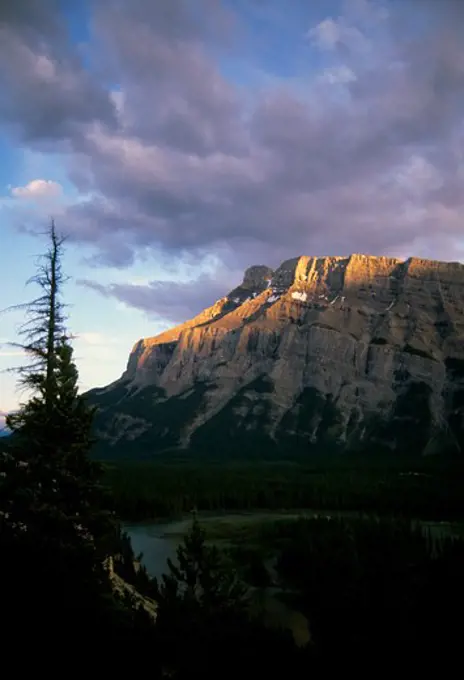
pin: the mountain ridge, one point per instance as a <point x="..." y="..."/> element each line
<point x="321" y="352"/>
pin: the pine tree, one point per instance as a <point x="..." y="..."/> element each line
<point x="55" y="528"/>
<point x="203" y="624"/>
<point x="201" y="584"/>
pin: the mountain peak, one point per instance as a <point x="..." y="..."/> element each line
<point x="257" y="277"/>
<point x="340" y="348"/>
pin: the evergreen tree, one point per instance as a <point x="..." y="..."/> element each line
<point x="55" y="528"/>
<point x="203" y="624"/>
<point x="201" y="581"/>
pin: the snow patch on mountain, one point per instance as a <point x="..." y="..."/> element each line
<point x="298" y="295"/>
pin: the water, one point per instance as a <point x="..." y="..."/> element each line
<point x="156" y="545"/>
<point x="159" y="540"/>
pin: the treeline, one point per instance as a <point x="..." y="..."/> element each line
<point x="159" y="489"/>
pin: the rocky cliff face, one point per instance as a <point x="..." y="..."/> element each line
<point x="325" y="353"/>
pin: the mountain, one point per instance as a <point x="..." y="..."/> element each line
<point x="353" y="353"/>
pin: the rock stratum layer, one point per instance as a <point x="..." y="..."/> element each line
<point x="324" y="353"/>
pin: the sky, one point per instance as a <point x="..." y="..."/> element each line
<point x="177" y="142"/>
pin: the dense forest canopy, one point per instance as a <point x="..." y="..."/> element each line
<point x="428" y="488"/>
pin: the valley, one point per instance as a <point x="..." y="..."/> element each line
<point x="279" y="522"/>
<point x="158" y="541"/>
<point x="277" y="554"/>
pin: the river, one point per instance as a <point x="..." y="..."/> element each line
<point x="153" y="540"/>
<point x="158" y="541"/>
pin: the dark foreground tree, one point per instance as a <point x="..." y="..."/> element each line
<point x="203" y="622"/>
<point x="200" y="581"/>
<point x="56" y="527"/>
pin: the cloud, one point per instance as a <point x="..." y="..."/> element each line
<point x="171" y="301"/>
<point x="338" y="74"/>
<point x="332" y="33"/>
<point x="180" y="156"/>
<point x="47" y="92"/>
<point x="37" y="189"/>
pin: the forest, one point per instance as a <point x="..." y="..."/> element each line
<point x="365" y="588"/>
<point x="424" y="488"/>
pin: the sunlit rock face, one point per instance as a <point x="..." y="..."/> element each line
<point x="324" y="353"/>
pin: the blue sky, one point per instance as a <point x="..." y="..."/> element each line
<point x="176" y="144"/>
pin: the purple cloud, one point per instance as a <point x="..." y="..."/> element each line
<point x="171" y="301"/>
<point x="47" y="94"/>
<point x="184" y="159"/>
